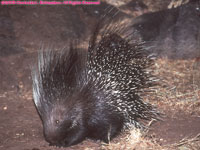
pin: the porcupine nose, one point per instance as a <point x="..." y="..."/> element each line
<point x="54" y="137"/>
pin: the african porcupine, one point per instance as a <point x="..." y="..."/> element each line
<point x="92" y="94"/>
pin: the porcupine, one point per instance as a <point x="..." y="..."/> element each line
<point x="93" y="94"/>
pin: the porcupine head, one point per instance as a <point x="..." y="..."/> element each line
<point x="91" y="94"/>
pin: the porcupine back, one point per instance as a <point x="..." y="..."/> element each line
<point x="121" y="67"/>
<point x="94" y="94"/>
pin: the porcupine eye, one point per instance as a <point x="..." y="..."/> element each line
<point x="57" y="122"/>
<point x="66" y="124"/>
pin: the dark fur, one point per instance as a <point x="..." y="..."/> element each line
<point x="93" y="94"/>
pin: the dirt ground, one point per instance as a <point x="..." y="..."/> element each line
<point x="178" y="97"/>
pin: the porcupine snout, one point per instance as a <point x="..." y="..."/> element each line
<point x="61" y="123"/>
